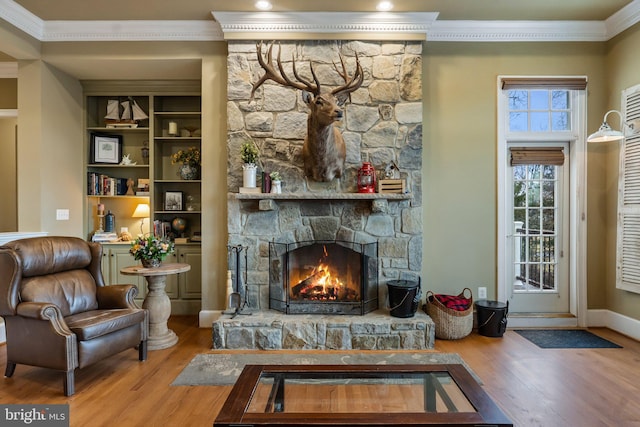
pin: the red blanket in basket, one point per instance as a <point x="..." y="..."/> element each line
<point x="454" y="302"/>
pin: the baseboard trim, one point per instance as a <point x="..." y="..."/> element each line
<point x="615" y="321"/>
<point x="521" y="321"/>
<point x="207" y="317"/>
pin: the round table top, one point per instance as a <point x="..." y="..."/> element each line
<point x="163" y="270"/>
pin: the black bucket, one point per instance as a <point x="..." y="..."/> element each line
<point x="404" y="297"/>
<point x="492" y="317"/>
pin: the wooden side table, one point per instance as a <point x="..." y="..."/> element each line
<point x="157" y="302"/>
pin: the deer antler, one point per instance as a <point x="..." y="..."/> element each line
<point x="280" y="76"/>
<point x="351" y="84"/>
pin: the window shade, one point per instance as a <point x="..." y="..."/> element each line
<point x="537" y="156"/>
<point x="569" y="83"/>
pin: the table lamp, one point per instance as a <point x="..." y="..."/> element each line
<point x="142" y="211"/>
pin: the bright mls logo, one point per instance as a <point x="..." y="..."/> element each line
<point x="34" y="415"/>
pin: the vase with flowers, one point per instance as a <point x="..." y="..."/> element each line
<point x="151" y="250"/>
<point x="276" y="182"/>
<point x="190" y="159"/>
<point x="249" y="153"/>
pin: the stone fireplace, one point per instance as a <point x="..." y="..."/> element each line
<point x="382" y="125"/>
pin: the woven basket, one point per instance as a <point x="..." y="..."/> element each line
<point x="450" y="324"/>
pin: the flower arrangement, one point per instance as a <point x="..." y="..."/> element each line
<point x="275" y="176"/>
<point x="249" y="153"/>
<point x="150" y="248"/>
<point x="191" y="156"/>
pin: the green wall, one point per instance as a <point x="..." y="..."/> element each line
<point x="460" y="137"/>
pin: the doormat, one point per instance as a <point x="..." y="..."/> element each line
<point x="224" y="368"/>
<point x="565" y="338"/>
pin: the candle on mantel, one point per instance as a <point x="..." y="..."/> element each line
<point x="100" y="209"/>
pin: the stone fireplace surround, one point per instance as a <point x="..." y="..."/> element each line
<point x="383" y="123"/>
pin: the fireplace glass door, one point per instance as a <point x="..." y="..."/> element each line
<point x="323" y="277"/>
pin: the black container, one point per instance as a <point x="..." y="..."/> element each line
<point x="492" y="317"/>
<point x="109" y="222"/>
<point x="404" y="297"/>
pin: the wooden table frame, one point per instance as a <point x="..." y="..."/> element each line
<point x="234" y="411"/>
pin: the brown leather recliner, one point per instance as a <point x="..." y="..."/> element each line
<point x="58" y="312"/>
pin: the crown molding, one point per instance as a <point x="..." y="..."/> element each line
<point x="242" y="25"/>
<point x="623" y="19"/>
<point x="385" y="25"/>
<point x="58" y="31"/>
<point x="518" y="31"/>
<point x="21" y="18"/>
<point x="8" y="70"/>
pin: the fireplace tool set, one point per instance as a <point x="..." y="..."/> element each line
<point x="236" y="278"/>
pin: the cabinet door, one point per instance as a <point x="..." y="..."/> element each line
<point x="172" y="279"/>
<point x="104" y="265"/>
<point x="120" y="258"/>
<point x="190" y="282"/>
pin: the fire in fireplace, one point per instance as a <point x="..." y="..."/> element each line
<point x="323" y="277"/>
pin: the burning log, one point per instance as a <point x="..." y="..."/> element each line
<point x="306" y="283"/>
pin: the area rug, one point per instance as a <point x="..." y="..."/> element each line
<point x="224" y="368"/>
<point x="565" y="338"/>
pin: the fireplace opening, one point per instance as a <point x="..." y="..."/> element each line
<point x="323" y="277"/>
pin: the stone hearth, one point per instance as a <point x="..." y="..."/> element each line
<point x="270" y="330"/>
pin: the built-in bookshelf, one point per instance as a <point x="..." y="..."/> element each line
<point x="172" y="122"/>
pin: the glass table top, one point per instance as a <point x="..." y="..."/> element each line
<point x="358" y="392"/>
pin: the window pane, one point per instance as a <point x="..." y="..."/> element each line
<point x="519" y="172"/>
<point x="559" y="100"/>
<point x="519" y="194"/>
<point x="534" y="194"/>
<point x="548" y="190"/>
<point x="534" y="171"/>
<point x="518" y="99"/>
<point x="560" y="121"/>
<point x="518" y="122"/>
<point x="539" y="121"/>
<point x="548" y="172"/>
<point x="534" y="249"/>
<point x="539" y="99"/>
<point x="534" y="221"/>
<point x="548" y="221"/>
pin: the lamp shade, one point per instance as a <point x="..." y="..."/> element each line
<point x="606" y="133"/>
<point x="142" y="211"/>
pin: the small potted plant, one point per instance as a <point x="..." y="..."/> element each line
<point x="249" y="153"/>
<point x="276" y="182"/>
<point x="150" y="250"/>
<point x="190" y="159"/>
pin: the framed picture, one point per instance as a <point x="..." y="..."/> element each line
<point x="173" y="201"/>
<point x="106" y="148"/>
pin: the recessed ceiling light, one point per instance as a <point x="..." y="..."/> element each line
<point x="263" y="5"/>
<point x="384" y="6"/>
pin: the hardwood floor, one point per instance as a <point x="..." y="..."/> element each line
<point x="533" y="386"/>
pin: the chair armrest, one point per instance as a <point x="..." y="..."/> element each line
<point x="46" y="312"/>
<point x="117" y="296"/>
<point x="38" y="310"/>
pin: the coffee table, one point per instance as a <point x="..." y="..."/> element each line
<point x="347" y="395"/>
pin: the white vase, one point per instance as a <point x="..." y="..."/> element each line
<point x="276" y="187"/>
<point x="249" y="175"/>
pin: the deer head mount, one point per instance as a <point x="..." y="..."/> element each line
<point x="324" y="150"/>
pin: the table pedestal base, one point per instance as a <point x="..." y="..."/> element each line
<point x="159" y="306"/>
